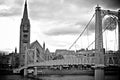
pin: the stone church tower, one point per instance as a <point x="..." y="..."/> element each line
<point x="24" y="34"/>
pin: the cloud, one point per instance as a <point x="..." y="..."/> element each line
<point x="2" y="2"/>
<point x="114" y="4"/>
<point x="63" y="31"/>
<point x="10" y="8"/>
<point x="73" y="11"/>
<point x="51" y="19"/>
<point x="68" y="28"/>
<point x="105" y="3"/>
<point x="9" y="12"/>
<point x="70" y="11"/>
<point x="43" y="8"/>
<point x="55" y="10"/>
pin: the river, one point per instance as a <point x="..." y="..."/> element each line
<point x="55" y="77"/>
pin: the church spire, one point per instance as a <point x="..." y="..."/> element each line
<point x="24" y="35"/>
<point x="25" y="14"/>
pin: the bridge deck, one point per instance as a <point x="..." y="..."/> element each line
<point x="73" y="61"/>
<point x="63" y="62"/>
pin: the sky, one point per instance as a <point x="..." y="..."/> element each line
<point x="56" y="22"/>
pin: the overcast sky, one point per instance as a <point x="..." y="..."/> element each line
<point x="55" y="22"/>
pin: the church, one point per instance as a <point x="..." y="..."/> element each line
<point x="24" y="42"/>
<point x="44" y="54"/>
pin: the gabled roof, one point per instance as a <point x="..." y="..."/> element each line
<point x="47" y="51"/>
<point x="39" y="50"/>
<point x="35" y="43"/>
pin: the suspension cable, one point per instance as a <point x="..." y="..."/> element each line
<point x="106" y="40"/>
<point x="82" y="31"/>
<point x="101" y="33"/>
<point x="87" y="37"/>
<point x="115" y="39"/>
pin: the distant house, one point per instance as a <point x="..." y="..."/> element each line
<point x="9" y="61"/>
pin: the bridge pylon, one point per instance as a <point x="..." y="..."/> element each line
<point x="99" y="56"/>
<point x="100" y="61"/>
<point x="26" y="62"/>
<point x="35" y="60"/>
<point x="27" y="54"/>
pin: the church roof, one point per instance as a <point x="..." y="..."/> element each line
<point x="35" y="43"/>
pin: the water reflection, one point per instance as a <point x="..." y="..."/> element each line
<point x="70" y="77"/>
<point x="55" y="77"/>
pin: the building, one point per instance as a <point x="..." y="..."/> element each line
<point x="24" y="35"/>
<point x="9" y="60"/>
<point x="3" y="53"/>
<point x="42" y="52"/>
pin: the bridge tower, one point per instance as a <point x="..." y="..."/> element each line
<point x="24" y="35"/>
<point x="99" y="51"/>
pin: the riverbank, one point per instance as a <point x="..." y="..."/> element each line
<point x="6" y="72"/>
<point x="55" y="77"/>
<point x="71" y="77"/>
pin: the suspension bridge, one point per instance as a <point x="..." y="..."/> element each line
<point x="101" y="58"/>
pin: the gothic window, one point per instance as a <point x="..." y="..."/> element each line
<point x="25" y="41"/>
<point x="25" y="38"/>
<point x="25" y="35"/>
